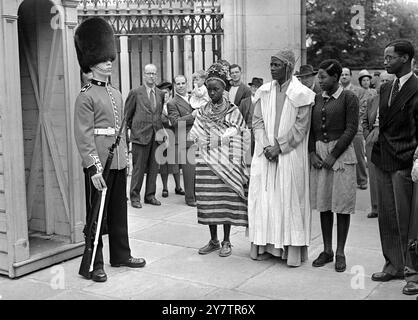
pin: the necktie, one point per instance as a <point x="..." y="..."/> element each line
<point x="152" y="99"/>
<point x="395" y="91"/>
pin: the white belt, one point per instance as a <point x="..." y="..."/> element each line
<point x="105" y="132"/>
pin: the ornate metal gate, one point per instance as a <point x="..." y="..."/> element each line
<point x="179" y="36"/>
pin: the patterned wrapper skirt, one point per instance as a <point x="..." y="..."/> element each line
<point x="217" y="203"/>
<point x="334" y="190"/>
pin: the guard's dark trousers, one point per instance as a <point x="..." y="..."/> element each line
<point x="115" y="217"/>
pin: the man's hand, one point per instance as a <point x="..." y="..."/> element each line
<point x="328" y="162"/>
<point x="316" y="160"/>
<point x="414" y="172"/>
<point x="98" y="181"/>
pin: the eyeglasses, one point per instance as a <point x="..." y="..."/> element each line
<point x="151" y="73"/>
<point x="389" y="58"/>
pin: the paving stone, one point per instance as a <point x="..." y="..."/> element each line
<point x="209" y="269"/>
<point x="191" y="236"/>
<point x="77" y="295"/>
<point x="282" y="282"/>
<point x="154" y="212"/>
<point x="152" y="251"/>
<point x="227" y="294"/>
<point x="136" y="223"/>
<point x="391" y="290"/>
<point x="137" y="284"/>
<point x="26" y="289"/>
<point x="69" y="271"/>
<point x="188" y="217"/>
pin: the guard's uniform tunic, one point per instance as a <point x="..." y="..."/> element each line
<point x="97" y="121"/>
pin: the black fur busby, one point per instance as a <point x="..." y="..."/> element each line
<point x="94" y="43"/>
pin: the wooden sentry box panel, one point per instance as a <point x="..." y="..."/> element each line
<point x="41" y="190"/>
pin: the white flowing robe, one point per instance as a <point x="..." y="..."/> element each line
<point x="279" y="210"/>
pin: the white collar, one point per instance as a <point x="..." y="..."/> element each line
<point x="404" y="79"/>
<point x="336" y="94"/>
<point x="185" y="98"/>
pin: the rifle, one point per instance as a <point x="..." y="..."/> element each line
<point x="93" y="226"/>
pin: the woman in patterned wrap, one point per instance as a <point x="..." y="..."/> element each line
<point x="221" y="173"/>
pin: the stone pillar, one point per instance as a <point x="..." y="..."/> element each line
<point x="72" y="81"/>
<point x="254" y="30"/>
<point x="124" y="66"/>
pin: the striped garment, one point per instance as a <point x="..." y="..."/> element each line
<point x="221" y="173"/>
<point x="217" y="203"/>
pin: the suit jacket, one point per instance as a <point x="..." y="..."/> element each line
<point x="180" y="112"/>
<point x="362" y="97"/>
<point x="246" y="108"/>
<point x="243" y="92"/>
<point x="398" y="135"/>
<point x="370" y="131"/>
<point x="140" y="118"/>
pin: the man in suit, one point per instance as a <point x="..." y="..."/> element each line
<point x="307" y="75"/>
<point x="182" y="115"/>
<point x="239" y="90"/>
<point x="393" y="157"/>
<point x="143" y="110"/>
<point x="358" y="141"/>
<point x="370" y="125"/>
<point x="247" y="108"/>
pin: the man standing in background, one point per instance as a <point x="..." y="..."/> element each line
<point x="143" y="110"/>
<point x="239" y="90"/>
<point x="358" y="141"/>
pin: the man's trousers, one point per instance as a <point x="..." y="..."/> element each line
<point x="143" y="158"/>
<point x="396" y="217"/>
<point x="115" y="216"/>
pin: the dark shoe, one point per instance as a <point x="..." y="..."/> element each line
<point x="153" y="201"/>
<point x="179" y="191"/>
<point x="136" y="204"/>
<point x="131" y="263"/>
<point x="210" y="247"/>
<point x="226" y="249"/>
<point x="323" y="259"/>
<point x="99" y="275"/>
<point x="384" y="276"/>
<point x="165" y="193"/>
<point x="372" y="215"/>
<point x="362" y="186"/>
<point x="191" y="203"/>
<point x="340" y="264"/>
<point x="411" y="288"/>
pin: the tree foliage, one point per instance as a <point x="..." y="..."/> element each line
<point x="330" y="33"/>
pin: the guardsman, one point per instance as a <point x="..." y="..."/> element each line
<point x="97" y="121"/>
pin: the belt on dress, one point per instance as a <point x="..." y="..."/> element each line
<point x="105" y="131"/>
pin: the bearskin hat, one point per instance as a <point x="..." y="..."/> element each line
<point x="94" y="43"/>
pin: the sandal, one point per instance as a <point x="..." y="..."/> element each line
<point x="165" y="193"/>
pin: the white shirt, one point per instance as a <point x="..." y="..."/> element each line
<point x="232" y="93"/>
<point x="185" y="98"/>
<point x="402" y="81"/>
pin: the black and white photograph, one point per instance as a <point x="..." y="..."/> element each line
<point x="213" y="155"/>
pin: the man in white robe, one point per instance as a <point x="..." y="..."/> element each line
<point x="279" y="211"/>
